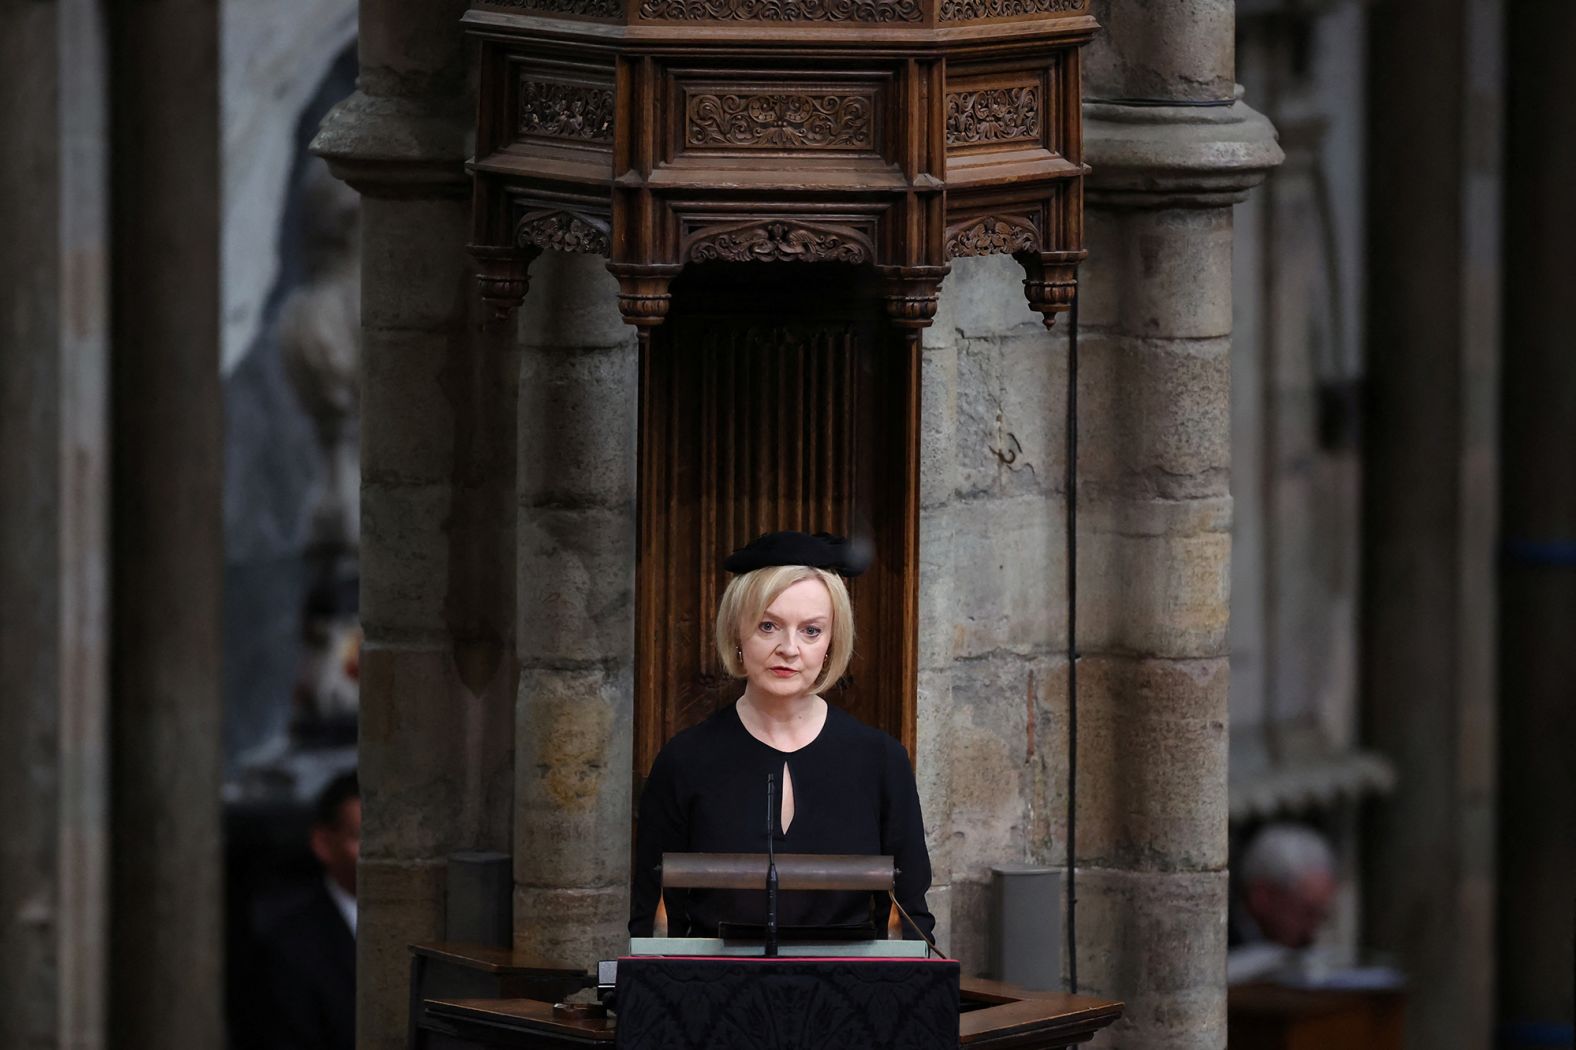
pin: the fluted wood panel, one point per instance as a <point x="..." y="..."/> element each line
<point x="756" y="418"/>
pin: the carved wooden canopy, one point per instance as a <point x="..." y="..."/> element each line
<point x="894" y="134"/>
<point x="713" y="150"/>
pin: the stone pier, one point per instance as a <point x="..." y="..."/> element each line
<point x="1173" y="148"/>
<point x="438" y="477"/>
<point x="579" y="385"/>
<point x="54" y="557"/>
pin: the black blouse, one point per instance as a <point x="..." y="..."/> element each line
<point x="853" y="793"/>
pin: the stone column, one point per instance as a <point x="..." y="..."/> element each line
<point x="1537" y="781"/>
<point x="1430" y="499"/>
<point x="437" y="483"/>
<point x="578" y="400"/>
<point x="165" y="960"/>
<point x="53" y="557"/>
<point x="1172" y="149"/>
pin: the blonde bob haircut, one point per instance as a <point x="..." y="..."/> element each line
<point x="745" y="602"/>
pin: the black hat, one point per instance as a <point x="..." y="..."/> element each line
<point x="820" y="551"/>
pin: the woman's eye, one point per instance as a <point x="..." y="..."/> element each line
<point x="812" y="632"/>
<point x="767" y="627"/>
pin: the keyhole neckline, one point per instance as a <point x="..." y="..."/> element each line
<point x="739" y="719"/>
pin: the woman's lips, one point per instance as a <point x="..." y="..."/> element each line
<point x="784" y="672"/>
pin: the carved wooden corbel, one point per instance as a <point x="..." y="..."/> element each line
<point x="502" y="275"/>
<point x="1050" y="281"/>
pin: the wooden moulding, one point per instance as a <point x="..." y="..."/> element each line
<point x="896" y="134"/>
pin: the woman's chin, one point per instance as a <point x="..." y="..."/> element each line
<point x="776" y="688"/>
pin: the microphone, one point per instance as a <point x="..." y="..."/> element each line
<point x="771" y="866"/>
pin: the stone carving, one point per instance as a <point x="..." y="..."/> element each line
<point x="967" y="10"/>
<point x="871" y="11"/>
<point x="580" y="112"/>
<point x="775" y="120"/>
<point x="562" y="231"/>
<point x="993" y="235"/>
<point x="780" y="242"/>
<point x="1005" y="114"/>
<point x="589" y="8"/>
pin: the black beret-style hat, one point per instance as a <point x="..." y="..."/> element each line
<point x="819" y="551"/>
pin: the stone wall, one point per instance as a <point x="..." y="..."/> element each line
<point x="991" y="736"/>
<point x="578" y="398"/>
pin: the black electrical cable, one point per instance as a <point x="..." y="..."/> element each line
<point x="1072" y="638"/>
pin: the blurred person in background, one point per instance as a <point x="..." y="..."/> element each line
<point x="308" y="956"/>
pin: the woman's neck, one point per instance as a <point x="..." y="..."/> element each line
<point x="782" y="720"/>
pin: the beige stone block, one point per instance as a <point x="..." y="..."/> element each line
<point x="936" y="537"/>
<point x="982" y="296"/>
<point x="933" y="768"/>
<point x="436" y="759"/>
<point x="1007" y="762"/>
<point x="407" y="415"/>
<point x="1152" y="744"/>
<point x="571" y="927"/>
<point x="1009" y="575"/>
<point x="969" y="936"/>
<point x="1164" y="595"/>
<point x="576" y="584"/>
<point x="573" y="302"/>
<point x="405" y="569"/>
<point x="1158" y="943"/>
<point x="1154" y="417"/>
<point x="578" y="417"/>
<point x="573" y="765"/>
<point x="1158" y="274"/>
<point x="415" y="272"/>
<point x="398" y="904"/>
<point x="1162" y="51"/>
<point x="938" y="424"/>
<point x="419" y="46"/>
<point x="1011" y="415"/>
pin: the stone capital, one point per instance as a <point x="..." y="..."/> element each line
<point x="1169" y="156"/>
<point x="386" y="146"/>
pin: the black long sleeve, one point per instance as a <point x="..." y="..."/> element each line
<point x="854" y="793"/>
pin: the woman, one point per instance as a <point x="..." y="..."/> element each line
<point x="785" y="626"/>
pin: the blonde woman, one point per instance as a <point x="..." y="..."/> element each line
<point x="785" y="628"/>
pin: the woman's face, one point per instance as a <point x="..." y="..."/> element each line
<point x="783" y="653"/>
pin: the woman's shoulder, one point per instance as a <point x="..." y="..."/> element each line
<point x="702" y="737"/>
<point x="849" y="728"/>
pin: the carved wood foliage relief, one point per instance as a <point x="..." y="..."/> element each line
<point x="992" y="115"/>
<point x="780" y="242"/>
<point x="968" y="10"/>
<point x="561" y="231"/>
<point x="993" y="235"/>
<point x="821" y="121"/>
<point x="578" y="112"/>
<point x="860" y="11"/>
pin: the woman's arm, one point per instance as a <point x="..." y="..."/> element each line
<point x="661" y="827"/>
<point x="903" y="836"/>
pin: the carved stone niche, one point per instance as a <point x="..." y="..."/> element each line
<point x="779" y="187"/>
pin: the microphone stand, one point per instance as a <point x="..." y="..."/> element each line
<point x="771" y="866"/>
